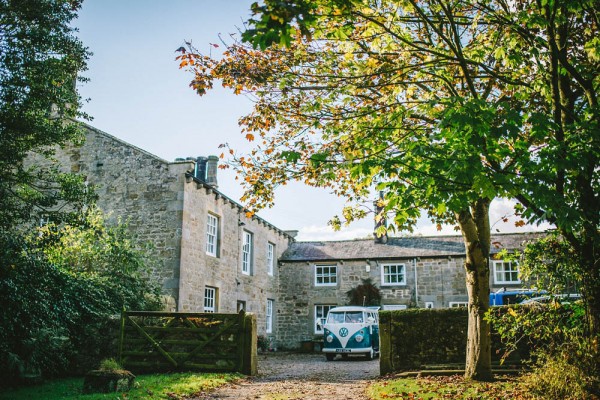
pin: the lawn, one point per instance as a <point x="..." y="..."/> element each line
<point x="446" y="387"/>
<point x="156" y="386"/>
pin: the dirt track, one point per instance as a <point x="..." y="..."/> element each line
<point x="303" y="376"/>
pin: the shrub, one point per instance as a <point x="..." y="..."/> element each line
<point x="558" y="378"/>
<point x="564" y="360"/>
<point x="365" y="294"/>
<point x="110" y="364"/>
<point x="61" y="289"/>
<point x="262" y="342"/>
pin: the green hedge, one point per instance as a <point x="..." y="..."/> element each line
<point x="413" y="338"/>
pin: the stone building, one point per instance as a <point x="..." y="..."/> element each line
<point x="409" y="272"/>
<point x="212" y="257"/>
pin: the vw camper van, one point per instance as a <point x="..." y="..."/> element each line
<point x="351" y="330"/>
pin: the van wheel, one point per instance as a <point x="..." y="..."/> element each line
<point x="370" y="355"/>
<point x="329" y="356"/>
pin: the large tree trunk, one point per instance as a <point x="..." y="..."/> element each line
<point x="475" y="228"/>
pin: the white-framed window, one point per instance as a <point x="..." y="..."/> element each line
<point x="429" y="304"/>
<point x="394" y="307"/>
<point x="321" y="311"/>
<point x="455" y="304"/>
<point x="210" y="299"/>
<point x="247" y="245"/>
<point x="325" y="275"/>
<point x="212" y="235"/>
<point x="506" y="272"/>
<point x="393" y="274"/>
<point x="270" y="307"/>
<point x="270" y="258"/>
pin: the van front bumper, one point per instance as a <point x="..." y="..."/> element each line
<point x="361" y="350"/>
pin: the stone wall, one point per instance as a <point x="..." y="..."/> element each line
<point x="139" y="187"/>
<point x="223" y="272"/>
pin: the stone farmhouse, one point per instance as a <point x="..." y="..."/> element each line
<point x="212" y="257"/>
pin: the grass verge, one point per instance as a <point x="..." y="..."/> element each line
<point x="147" y="387"/>
<point x="447" y="387"/>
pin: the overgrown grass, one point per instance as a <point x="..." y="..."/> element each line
<point x="446" y="387"/>
<point x="147" y="387"/>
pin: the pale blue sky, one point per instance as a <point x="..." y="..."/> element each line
<point x="138" y="94"/>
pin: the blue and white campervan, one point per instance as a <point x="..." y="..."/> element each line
<point x="351" y="330"/>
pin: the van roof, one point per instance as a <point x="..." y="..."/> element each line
<point x="352" y="308"/>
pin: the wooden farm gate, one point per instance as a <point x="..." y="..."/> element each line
<point x="165" y="341"/>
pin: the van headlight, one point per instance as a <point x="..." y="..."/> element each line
<point x="329" y="339"/>
<point x="359" y="338"/>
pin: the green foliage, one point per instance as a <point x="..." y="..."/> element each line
<point x="554" y="263"/>
<point x="147" y="387"/>
<point x="558" y="377"/>
<point x="445" y="341"/>
<point x="544" y="327"/>
<point x="366" y="294"/>
<point x="564" y="358"/>
<point x="439" y="106"/>
<point x="40" y="57"/>
<point x="110" y="364"/>
<point x="58" y="314"/>
<point x="95" y="248"/>
<point x="262" y="342"/>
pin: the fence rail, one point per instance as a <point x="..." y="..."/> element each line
<point x="164" y="341"/>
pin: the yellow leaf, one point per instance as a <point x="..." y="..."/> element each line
<point x="250" y="137"/>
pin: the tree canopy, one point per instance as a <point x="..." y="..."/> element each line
<point x="439" y="106"/>
<point x="40" y="58"/>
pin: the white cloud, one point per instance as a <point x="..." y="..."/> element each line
<point x="326" y="233"/>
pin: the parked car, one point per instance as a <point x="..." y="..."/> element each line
<point x="504" y="297"/>
<point x="563" y="298"/>
<point x="351" y="330"/>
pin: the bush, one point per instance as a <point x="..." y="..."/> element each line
<point x="110" y="364"/>
<point x="61" y="292"/>
<point x="445" y="341"/>
<point x="262" y="342"/>
<point x="564" y="360"/>
<point x="558" y="378"/>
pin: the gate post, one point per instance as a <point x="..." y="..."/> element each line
<point x="249" y="351"/>
<point x="385" y="345"/>
<point x="122" y="335"/>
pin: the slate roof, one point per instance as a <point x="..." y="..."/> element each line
<point x="397" y="247"/>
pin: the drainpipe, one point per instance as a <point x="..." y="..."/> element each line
<point x="416" y="283"/>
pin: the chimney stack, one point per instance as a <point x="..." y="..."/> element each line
<point x="200" y="171"/>
<point x="211" y="171"/>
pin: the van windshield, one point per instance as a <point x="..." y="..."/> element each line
<point x="345" y="317"/>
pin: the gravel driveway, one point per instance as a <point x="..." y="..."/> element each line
<point x="283" y="376"/>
